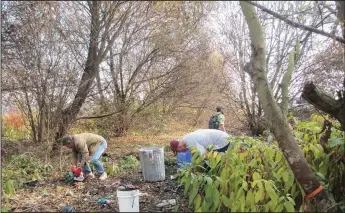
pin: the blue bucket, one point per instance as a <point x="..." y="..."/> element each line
<point x="184" y="159"/>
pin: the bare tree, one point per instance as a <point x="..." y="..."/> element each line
<point x="150" y="57"/>
<point x="35" y="64"/>
<point x="106" y="21"/>
<point x="321" y="100"/>
<point x="281" y="40"/>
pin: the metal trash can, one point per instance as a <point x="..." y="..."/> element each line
<point x="152" y="163"/>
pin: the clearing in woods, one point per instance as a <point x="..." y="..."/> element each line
<point x="52" y="195"/>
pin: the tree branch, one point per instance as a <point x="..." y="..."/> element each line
<point x="324" y="102"/>
<point x="99" y="116"/>
<point x="295" y="24"/>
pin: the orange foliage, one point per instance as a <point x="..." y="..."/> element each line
<point x="14" y="119"/>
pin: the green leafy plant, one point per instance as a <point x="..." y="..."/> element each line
<point x="326" y="160"/>
<point x="21" y="169"/>
<point x="113" y="170"/>
<point x="9" y="187"/>
<point x="254" y="176"/>
<point x="129" y="162"/>
<point x="5" y="209"/>
<point x="175" y="209"/>
<point x="167" y="148"/>
<point x="245" y="178"/>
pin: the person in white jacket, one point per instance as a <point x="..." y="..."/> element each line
<point x="201" y="139"/>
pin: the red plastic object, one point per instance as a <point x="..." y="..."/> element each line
<point x="76" y="171"/>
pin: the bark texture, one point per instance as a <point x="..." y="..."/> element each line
<point x="257" y="70"/>
<point x="324" y="102"/>
<point x="90" y="72"/>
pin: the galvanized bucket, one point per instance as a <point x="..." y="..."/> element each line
<point x="152" y="163"/>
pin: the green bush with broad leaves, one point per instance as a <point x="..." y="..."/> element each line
<point x="21" y="169"/>
<point x="326" y="160"/>
<point x="253" y="175"/>
<point x="250" y="176"/>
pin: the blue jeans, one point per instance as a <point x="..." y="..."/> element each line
<point x="95" y="159"/>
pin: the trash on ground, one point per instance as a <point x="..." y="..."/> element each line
<point x="76" y="171"/>
<point x="172" y="202"/>
<point x="167" y="202"/>
<point x="68" y="209"/>
<point x="69" y="177"/>
<point x="103" y="202"/>
<point x="128" y="187"/>
<point x="109" y="196"/>
<point x="79" y="178"/>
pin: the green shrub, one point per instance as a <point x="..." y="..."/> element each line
<point x="256" y="179"/>
<point x="325" y="160"/>
<point x="128" y="162"/>
<point x="21" y="169"/>
<point x="254" y="176"/>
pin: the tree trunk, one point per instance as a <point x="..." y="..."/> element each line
<point x="101" y="94"/>
<point x="287" y="143"/>
<point x="325" y="103"/>
<point x="30" y="116"/>
<point x="90" y="72"/>
<point x="286" y="81"/>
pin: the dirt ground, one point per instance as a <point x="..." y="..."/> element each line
<point x="49" y="195"/>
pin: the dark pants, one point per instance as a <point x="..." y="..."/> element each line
<point x="223" y="149"/>
<point x="207" y="168"/>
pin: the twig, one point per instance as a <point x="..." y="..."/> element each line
<point x="35" y="206"/>
<point x="326" y="119"/>
<point x="295" y="24"/>
<point x="331" y="207"/>
<point x="99" y="116"/>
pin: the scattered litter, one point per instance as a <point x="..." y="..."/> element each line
<point x="76" y="185"/>
<point x="79" y="179"/>
<point x="167" y="202"/>
<point x="76" y="171"/>
<point x="59" y="188"/>
<point x="163" y="203"/>
<point x="128" y="187"/>
<point x="68" y="209"/>
<point x="69" y="177"/>
<point x="103" y="202"/>
<point x="109" y="197"/>
<point x="172" y="202"/>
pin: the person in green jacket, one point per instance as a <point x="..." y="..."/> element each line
<point x="83" y="146"/>
<point x="217" y="120"/>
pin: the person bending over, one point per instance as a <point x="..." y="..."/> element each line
<point x="83" y="146"/>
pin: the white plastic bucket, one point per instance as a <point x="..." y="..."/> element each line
<point x="128" y="200"/>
